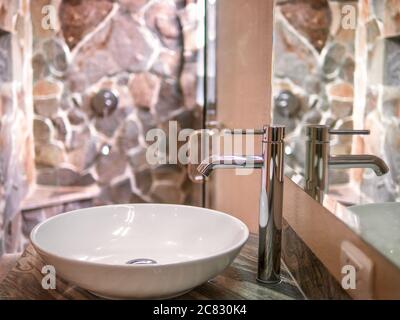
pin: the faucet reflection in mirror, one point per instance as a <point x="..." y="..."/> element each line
<point x="271" y="198"/>
<point x="319" y="160"/>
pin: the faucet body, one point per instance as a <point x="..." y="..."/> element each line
<point x="319" y="161"/>
<point x="271" y="197"/>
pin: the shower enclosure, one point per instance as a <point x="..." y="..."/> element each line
<point x="83" y="82"/>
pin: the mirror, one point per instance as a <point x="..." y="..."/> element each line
<point x="336" y="64"/>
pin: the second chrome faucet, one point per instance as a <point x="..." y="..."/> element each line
<point x="271" y="198"/>
<point x="319" y="160"/>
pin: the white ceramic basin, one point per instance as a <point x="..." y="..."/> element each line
<point x="379" y="225"/>
<point x="183" y="246"/>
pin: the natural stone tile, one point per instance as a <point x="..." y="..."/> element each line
<point x="77" y="80"/>
<point x="62" y="127"/>
<point x="104" y="198"/>
<point x="333" y="60"/>
<point x="137" y="159"/>
<point x="110" y="166"/>
<point x="57" y="54"/>
<point x="384" y="63"/>
<point x="46" y="88"/>
<point x="133" y="5"/>
<point x="94" y="66"/>
<point x="170" y="172"/>
<point x="164" y="9"/>
<point x="123" y="78"/>
<point x="168" y="64"/>
<point x="79" y="138"/>
<point x="110" y="124"/>
<point x="47" y="107"/>
<point x="310" y="18"/>
<point x="51" y="154"/>
<point x="76" y="116"/>
<point x="135" y="198"/>
<point x="145" y="88"/>
<point x="168" y="27"/>
<point x="127" y="34"/>
<point x="40" y="67"/>
<point x="79" y="17"/>
<point x="147" y="120"/>
<point x="313" y="116"/>
<point x="341" y="101"/>
<point x="391" y="17"/>
<point x="391" y="108"/>
<point x="121" y="191"/>
<point x="170" y="99"/>
<point x="85" y="155"/>
<point x="294" y="59"/>
<point x="129" y="136"/>
<point x="392" y="63"/>
<point x="188" y="81"/>
<point x="373" y="31"/>
<point x="186" y="119"/>
<point x="46" y="96"/>
<point x="86" y="179"/>
<point x="63" y="176"/>
<point x="43" y="130"/>
<point x="167" y="193"/>
<point x="92" y="61"/>
<point x="143" y="180"/>
<point x="391" y="147"/>
<point x="347" y="70"/>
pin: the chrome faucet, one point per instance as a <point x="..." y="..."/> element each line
<point x="271" y="198"/>
<point x="319" y="160"/>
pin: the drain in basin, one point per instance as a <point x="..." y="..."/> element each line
<point x="141" y="261"/>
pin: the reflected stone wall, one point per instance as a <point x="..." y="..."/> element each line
<point x="318" y="81"/>
<point x="382" y="84"/>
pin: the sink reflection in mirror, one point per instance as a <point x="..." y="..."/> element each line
<point x="379" y="225"/>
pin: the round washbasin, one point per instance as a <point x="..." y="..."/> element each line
<point x="139" y="251"/>
<point x="379" y="225"/>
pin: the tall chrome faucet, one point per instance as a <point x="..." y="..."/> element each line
<point x="319" y="160"/>
<point x="271" y="198"/>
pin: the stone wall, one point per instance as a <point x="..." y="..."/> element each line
<point x="328" y="71"/>
<point x="16" y="118"/>
<point x="141" y="52"/>
<point x="381" y="113"/>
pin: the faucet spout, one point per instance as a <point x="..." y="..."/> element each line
<point x="359" y="161"/>
<point x="229" y="162"/>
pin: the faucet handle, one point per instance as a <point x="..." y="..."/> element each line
<point x="349" y="132"/>
<point x="244" y="131"/>
<point x="322" y="133"/>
